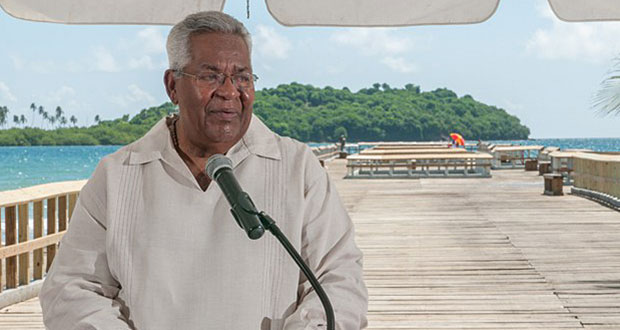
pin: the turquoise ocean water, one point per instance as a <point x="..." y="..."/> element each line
<point x="27" y="166"/>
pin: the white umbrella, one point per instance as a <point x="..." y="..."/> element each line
<point x="586" y="10"/>
<point x="297" y="12"/>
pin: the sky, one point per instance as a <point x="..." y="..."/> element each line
<point x="523" y="59"/>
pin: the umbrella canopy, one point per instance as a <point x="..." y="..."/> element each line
<point x="586" y="10"/>
<point x="458" y="139"/>
<point x="296" y="12"/>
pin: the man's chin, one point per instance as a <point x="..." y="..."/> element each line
<point x="225" y="133"/>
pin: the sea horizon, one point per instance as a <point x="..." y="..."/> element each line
<point x="25" y="166"/>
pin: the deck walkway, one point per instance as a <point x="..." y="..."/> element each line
<point x="472" y="254"/>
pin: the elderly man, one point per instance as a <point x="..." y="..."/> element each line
<point x="152" y="244"/>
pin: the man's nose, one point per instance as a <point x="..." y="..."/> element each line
<point x="227" y="89"/>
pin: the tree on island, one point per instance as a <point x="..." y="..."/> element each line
<point x="19" y="120"/>
<point x="33" y="107"/>
<point x="46" y="116"/>
<point x="308" y="113"/>
<point x="43" y="115"/>
<point x="4" y="112"/>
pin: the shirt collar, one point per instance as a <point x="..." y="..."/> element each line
<point x="157" y="144"/>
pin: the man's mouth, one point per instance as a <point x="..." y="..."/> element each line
<point x="225" y="114"/>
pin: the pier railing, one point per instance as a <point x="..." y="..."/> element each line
<point x="597" y="176"/>
<point x="325" y="152"/>
<point x="33" y="222"/>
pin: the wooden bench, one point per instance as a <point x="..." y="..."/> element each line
<point x="381" y="167"/>
<point x="420" y="165"/>
<point x="562" y="162"/>
<point x="513" y="156"/>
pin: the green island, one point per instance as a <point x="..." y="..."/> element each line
<point x="308" y="113"/>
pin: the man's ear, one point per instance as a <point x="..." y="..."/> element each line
<point x="170" y="84"/>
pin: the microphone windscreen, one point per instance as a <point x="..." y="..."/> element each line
<point x="217" y="162"/>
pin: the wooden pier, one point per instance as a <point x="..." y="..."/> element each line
<point x="472" y="254"/>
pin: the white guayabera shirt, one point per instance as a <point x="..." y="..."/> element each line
<point x="148" y="249"/>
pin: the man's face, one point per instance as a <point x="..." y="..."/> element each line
<point x="219" y="114"/>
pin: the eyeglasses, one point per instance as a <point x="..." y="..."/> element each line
<point x="212" y="80"/>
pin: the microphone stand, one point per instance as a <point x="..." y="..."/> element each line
<point x="270" y="225"/>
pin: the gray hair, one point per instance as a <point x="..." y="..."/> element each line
<point x="177" y="45"/>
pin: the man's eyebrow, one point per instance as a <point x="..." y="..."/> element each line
<point x="207" y="66"/>
<point x="212" y="67"/>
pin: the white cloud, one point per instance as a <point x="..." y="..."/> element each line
<point x="104" y="60"/>
<point x="272" y="44"/>
<point x="144" y="51"/>
<point x="398" y="64"/>
<point x="61" y="95"/>
<point x="45" y="66"/>
<point x="592" y="41"/>
<point x="152" y="40"/>
<point x="6" y="94"/>
<point x="374" y="41"/>
<point x="135" y="94"/>
<point x="39" y="65"/>
<point x="144" y="62"/>
<point x="385" y="43"/>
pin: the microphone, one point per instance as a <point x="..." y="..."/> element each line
<point x="219" y="169"/>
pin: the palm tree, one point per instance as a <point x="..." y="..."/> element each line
<point x="607" y="99"/>
<point x="59" y="112"/>
<point x="22" y="120"/>
<point x="97" y="119"/>
<point x="45" y="115"/>
<point x="73" y="120"/>
<point x="63" y="121"/>
<point x="4" y="111"/>
<point x="42" y="113"/>
<point x="16" y="119"/>
<point x="52" y="121"/>
<point x="33" y="107"/>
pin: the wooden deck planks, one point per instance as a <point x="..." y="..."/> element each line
<point x="472" y="254"/>
<point x="483" y="254"/>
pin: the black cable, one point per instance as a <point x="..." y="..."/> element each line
<point x="270" y="225"/>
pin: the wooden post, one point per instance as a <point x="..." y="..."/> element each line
<point x="553" y="184"/>
<point x="616" y="175"/>
<point x="531" y="164"/>
<point x="72" y="200"/>
<point x="51" y="228"/>
<point x="24" y="258"/>
<point x="62" y="213"/>
<point x="1" y="266"/>
<point x="37" y="272"/>
<point x="11" y="239"/>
